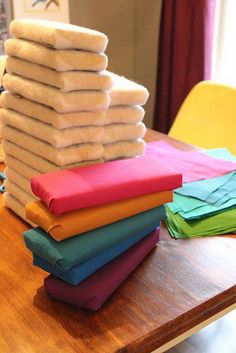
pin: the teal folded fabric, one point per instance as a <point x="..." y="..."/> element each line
<point x="205" y="207"/>
<point x="222" y="223"/>
<point x="190" y="208"/>
<point x="78" y="273"/>
<point x="204" y="189"/>
<point x="230" y="195"/>
<point x="224" y="193"/>
<point x="212" y="190"/>
<point x="70" y="252"/>
<point x="185" y="204"/>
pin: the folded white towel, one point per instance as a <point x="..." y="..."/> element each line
<point x="18" y="179"/>
<point x="60" y="60"/>
<point x="59" y="35"/>
<point x="62" y="156"/>
<point x="29" y="164"/>
<point x="126" y="92"/>
<point x="66" y="81"/>
<point x="65" y="156"/>
<point x="123" y="149"/>
<point x="72" y="136"/>
<point x="3" y="59"/>
<point x="24" y="161"/>
<point x="62" y="102"/>
<point x="118" y="114"/>
<point x="2" y="70"/>
<point x="16" y="206"/>
<point x="1" y="149"/>
<point x="18" y="192"/>
<point x="122" y="132"/>
<point x="123" y="92"/>
<point x="22" y="168"/>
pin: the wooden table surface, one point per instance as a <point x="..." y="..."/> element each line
<point x="181" y="284"/>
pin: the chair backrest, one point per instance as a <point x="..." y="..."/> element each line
<point x="207" y="117"/>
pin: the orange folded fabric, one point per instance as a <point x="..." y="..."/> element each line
<point x="86" y="219"/>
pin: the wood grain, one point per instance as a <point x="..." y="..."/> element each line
<point x="181" y="284"/>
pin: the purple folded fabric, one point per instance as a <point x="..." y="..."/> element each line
<point x="93" y="292"/>
<point x="193" y="165"/>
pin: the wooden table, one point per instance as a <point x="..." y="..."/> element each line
<point x="181" y="285"/>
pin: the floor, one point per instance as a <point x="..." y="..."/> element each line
<point x="218" y="337"/>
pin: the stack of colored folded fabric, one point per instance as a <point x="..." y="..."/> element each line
<point x="61" y="107"/>
<point x="96" y="224"/>
<point x="206" y="203"/>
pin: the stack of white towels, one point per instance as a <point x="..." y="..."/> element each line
<point x="61" y="108"/>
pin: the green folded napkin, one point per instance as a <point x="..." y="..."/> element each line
<point x="221" y="223"/>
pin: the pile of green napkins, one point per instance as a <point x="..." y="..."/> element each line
<point x="222" y="223"/>
<point x="205" y="207"/>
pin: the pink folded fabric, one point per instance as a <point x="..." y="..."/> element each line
<point x="98" y="184"/>
<point x="193" y="165"/>
<point x="93" y="291"/>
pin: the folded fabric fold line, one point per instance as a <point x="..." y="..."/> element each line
<point x="17" y="143"/>
<point x="59" y="35"/>
<point x="123" y="92"/>
<point x="28" y="171"/>
<point x="36" y="162"/>
<point x="60" y="138"/>
<point x="62" y="102"/>
<point x="113" y="115"/>
<point x="15" y="205"/>
<point x="60" y="60"/>
<point x="66" y="81"/>
<point x="62" y="156"/>
<point x="18" y="179"/>
<point x="19" y="193"/>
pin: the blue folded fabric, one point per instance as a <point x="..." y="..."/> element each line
<point x="229" y="196"/>
<point x="215" y="191"/>
<point x="85" y="269"/>
<point x="224" y="193"/>
<point x="221" y="153"/>
<point x="203" y="189"/>
<point x="66" y="254"/>
<point x="190" y="208"/>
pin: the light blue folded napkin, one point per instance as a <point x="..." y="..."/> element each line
<point x="215" y="191"/>
<point x="190" y="208"/>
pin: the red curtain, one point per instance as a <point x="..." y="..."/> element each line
<point x="185" y="51"/>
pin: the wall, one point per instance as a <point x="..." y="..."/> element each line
<point x="132" y="27"/>
<point x="24" y="9"/>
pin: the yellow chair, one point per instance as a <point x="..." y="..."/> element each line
<point x="207" y="117"/>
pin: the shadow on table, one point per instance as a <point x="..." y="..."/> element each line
<point x="72" y="319"/>
<point x="115" y="313"/>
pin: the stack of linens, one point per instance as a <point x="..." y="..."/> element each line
<point x="96" y="224"/>
<point x="61" y="107"/>
<point x="206" y="203"/>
